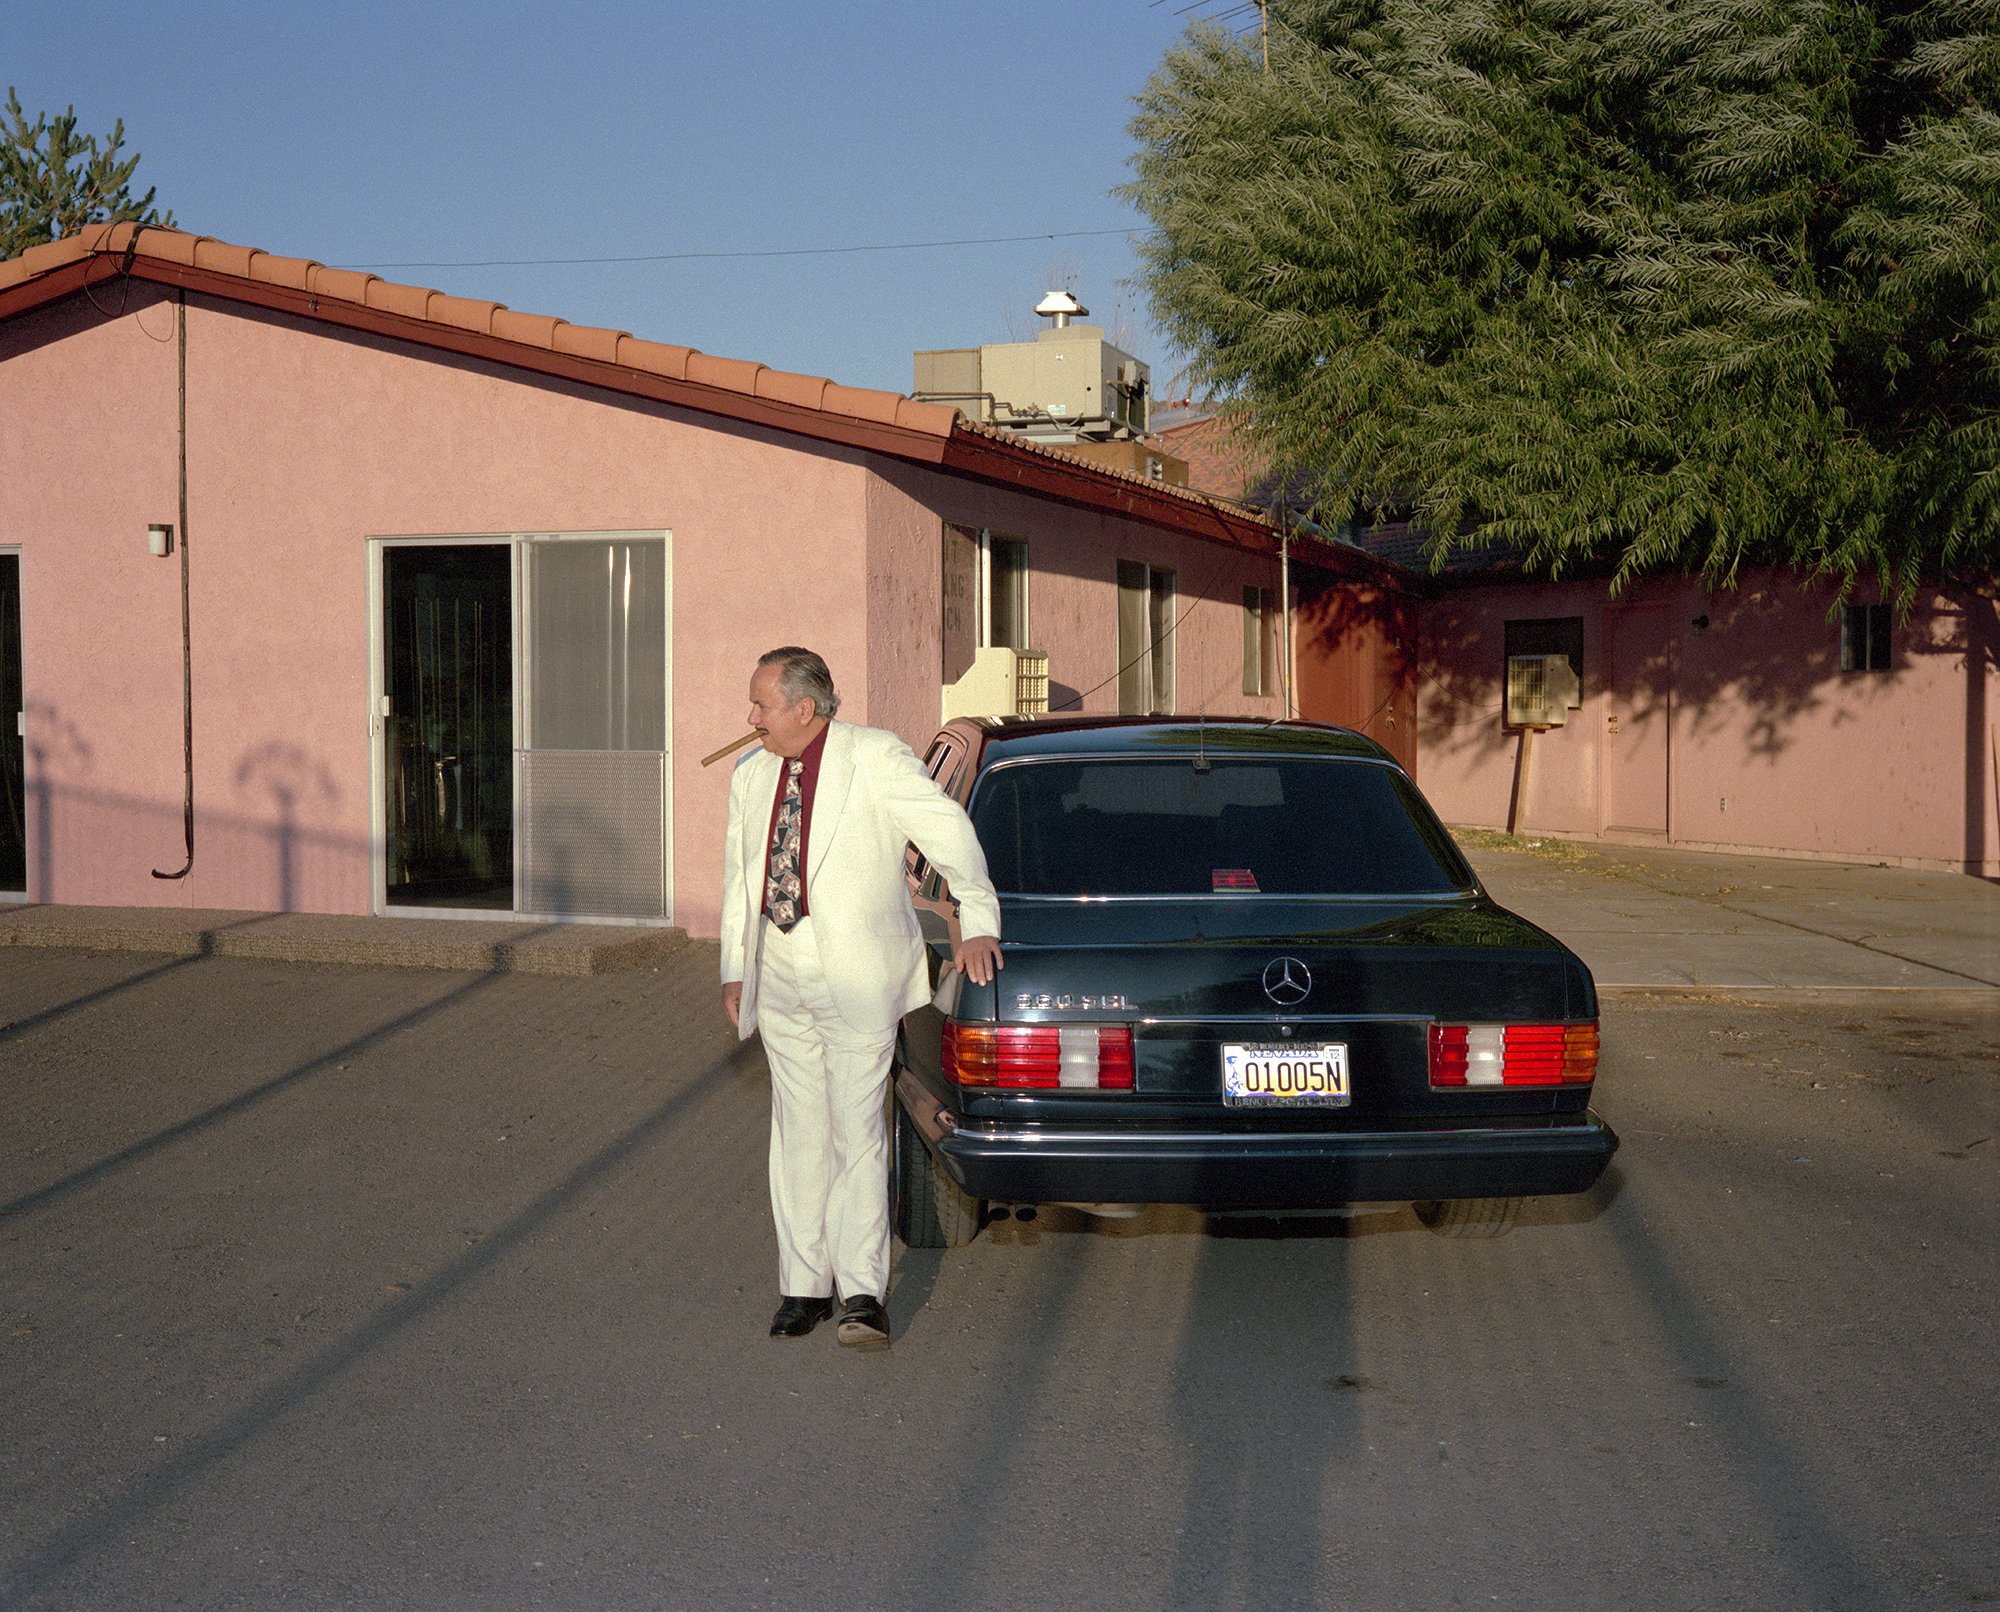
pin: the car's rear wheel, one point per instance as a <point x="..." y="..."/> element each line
<point x="1469" y="1217"/>
<point x="930" y="1209"/>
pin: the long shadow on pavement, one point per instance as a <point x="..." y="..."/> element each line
<point x="1784" y="1484"/>
<point x="32" y="1571"/>
<point x="208" y="1117"/>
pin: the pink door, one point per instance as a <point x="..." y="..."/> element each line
<point x="1638" y="717"/>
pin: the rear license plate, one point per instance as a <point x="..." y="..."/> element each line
<point x="1287" y="1075"/>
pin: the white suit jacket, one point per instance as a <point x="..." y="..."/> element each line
<point x="872" y="797"/>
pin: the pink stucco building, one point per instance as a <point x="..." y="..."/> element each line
<point x="468" y="592"/>
<point x="1759" y="718"/>
<point x="1770" y="717"/>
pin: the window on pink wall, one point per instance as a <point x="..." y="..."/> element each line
<point x="1259" y="641"/>
<point x="1146" y="623"/>
<point x="1865" y="635"/>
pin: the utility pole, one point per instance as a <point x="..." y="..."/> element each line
<point x="1264" y="33"/>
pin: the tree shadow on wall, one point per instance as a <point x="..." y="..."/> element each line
<point x="1966" y="628"/>
<point x="289" y="775"/>
<point x="1357" y="661"/>
<point x="55" y="747"/>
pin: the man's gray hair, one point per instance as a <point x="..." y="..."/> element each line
<point x="802" y="675"/>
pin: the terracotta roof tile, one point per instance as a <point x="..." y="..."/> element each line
<point x="224" y="258"/>
<point x="781" y="386"/>
<point x="731" y="374"/>
<point x="655" y="357"/>
<point x="529" y="329"/>
<point x="344" y="285"/>
<point x="410" y="301"/>
<point x="588" y="341"/>
<point x="170" y="245"/>
<point x="1191" y="495"/>
<point x="935" y="418"/>
<point x="843" y="407"/>
<point x="863" y="405"/>
<point x="463" y="312"/>
<point x="1218" y="461"/>
<point x="285" y="271"/>
<point x="51" y="257"/>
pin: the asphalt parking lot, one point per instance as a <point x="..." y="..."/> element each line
<point x="338" y="1285"/>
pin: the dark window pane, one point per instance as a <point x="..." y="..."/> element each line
<point x="1160" y="621"/>
<point x="450" y="670"/>
<point x="1864" y="638"/>
<point x="1158" y="827"/>
<point x="1134" y="677"/>
<point x="1253" y="640"/>
<point x="1546" y="635"/>
<point x="961" y="600"/>
<point x="13" y="749"/>
<point x="1008" y="578"/>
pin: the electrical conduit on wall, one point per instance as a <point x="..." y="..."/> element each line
<point x="187" y="652"/>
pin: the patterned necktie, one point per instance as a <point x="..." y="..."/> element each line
<point x="781" y="877"/>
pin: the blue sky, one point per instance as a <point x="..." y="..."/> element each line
<point x="368" y="134"/>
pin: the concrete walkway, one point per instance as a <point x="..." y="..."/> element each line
<point x="510" y="946"/>
<point x="1661" y="919"/>
<point x="1647" y="919"/>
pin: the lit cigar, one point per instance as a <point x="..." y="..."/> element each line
<point x="733" y="746"/>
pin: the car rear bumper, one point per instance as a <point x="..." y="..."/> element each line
<point x="1289" y="1170"/>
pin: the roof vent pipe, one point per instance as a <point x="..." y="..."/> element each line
<point x="1061" y="307"/>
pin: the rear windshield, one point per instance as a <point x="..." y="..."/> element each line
<point x="1245" y="826"/>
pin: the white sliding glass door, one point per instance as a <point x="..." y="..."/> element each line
<point x="592" y="765"/>
<point x="522" y="687"/>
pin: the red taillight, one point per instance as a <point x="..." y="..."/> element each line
<point x="1114" y="1057"/>
<point x="1039" y="1057"/>
<point x="1448" y="1054"/>
<point x="1514" y="1054"/>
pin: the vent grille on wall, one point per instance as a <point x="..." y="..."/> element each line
<point x="1541" y="689"/>
<point x="1031" y="682"/>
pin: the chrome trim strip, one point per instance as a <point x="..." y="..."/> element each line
<point x="1231" y="753"/>
<point x="977" y="1132"/>
<point x="1302" y="1020"/>
<point x="1429" y="898"/>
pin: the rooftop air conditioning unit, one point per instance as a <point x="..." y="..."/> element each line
<point x="1541" y="689"/>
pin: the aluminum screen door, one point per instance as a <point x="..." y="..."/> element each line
<point x="592" y="764"/>
<point x="13" y="746"/>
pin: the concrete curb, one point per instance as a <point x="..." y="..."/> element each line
<point x="465" y="945"/>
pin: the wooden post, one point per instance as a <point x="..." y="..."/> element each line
<point x="1518" y="804"/>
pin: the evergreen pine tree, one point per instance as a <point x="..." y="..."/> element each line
<point x="53" y="182"/>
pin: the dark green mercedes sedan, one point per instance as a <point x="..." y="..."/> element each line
<point x="1246" y="969"/>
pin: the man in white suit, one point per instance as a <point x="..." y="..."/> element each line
<point x="821" y="955"/>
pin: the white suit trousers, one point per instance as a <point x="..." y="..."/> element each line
<point x="829" y="1138"/>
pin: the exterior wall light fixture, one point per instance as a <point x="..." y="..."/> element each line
<point x="160" y="539"/>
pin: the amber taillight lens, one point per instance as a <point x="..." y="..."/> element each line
<point x="1039" y="1057"/>
<point x="1514" y="1054"/>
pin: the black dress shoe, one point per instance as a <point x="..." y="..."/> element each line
<point x="864" y="1324"/>
<point x="797" y="1317"/>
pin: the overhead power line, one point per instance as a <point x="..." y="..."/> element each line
<point x="791" y="251"/>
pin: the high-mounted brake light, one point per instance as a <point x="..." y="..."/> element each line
<point x="1514" y="1054"/>
<point x="1039" y="1057"/>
